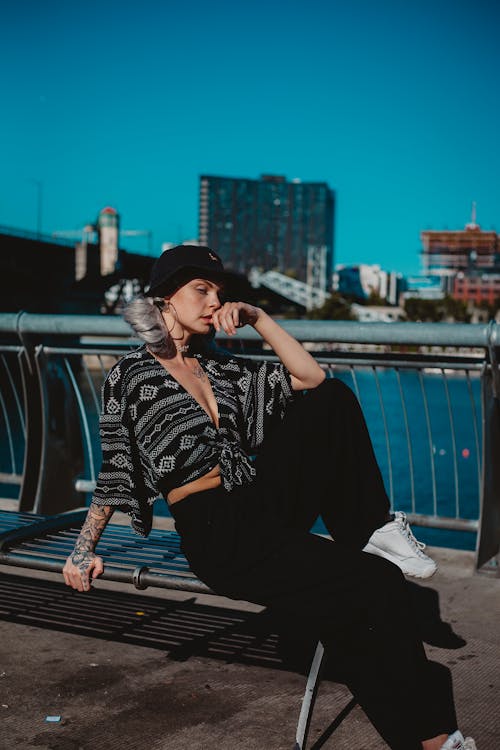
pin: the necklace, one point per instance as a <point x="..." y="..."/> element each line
<point x="182" y="348"/>
<point x="197" y="369"/>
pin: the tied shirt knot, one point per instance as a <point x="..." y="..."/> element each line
<point x="235" y="465"/>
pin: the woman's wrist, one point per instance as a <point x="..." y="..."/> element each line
<point x="81" y="554"/>
<point x="84" y="544"/>
<point x="260" y="316"/>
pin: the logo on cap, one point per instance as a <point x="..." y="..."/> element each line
<point x="212" y="257"/>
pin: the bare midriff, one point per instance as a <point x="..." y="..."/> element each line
<point x="207" y="482"/>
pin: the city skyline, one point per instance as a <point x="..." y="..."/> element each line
<point x="395" y="107"/>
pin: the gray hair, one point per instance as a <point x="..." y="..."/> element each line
<point x="143" y="314"/>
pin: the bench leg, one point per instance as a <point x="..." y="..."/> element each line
<point x="312" y="685"/>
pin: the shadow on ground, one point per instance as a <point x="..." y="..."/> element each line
<point x="192" y="699"/>
<point x="183" y="628"/>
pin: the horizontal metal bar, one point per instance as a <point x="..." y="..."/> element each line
<point x="144" y="577"/>
<point x="8" y="322"/>
<point x="457" y="361"/>
<point x="6" y="478"/>
<point x="415" y="364"/>
<point x="106" y="350"/>
<point x="11" y="518"/>
<point x="437" y="334"/>
<point x="75" y="325"/>
<point x="30" y="531"/>
<point x="85" y="485"/>
<point x="12" y="348"/>
<point x="173" y="563"/>
<point x="442" y="522"/>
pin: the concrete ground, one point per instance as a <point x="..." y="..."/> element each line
<point x="161" y="670"/>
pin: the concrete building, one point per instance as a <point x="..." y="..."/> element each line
<point x="108" y="228"/>
<point x="377" y="313"/>
<point x="270" y="224"/>
<point x="364" y="280"/>
<point x="477" y="287"/>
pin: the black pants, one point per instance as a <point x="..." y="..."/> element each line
<point x="254" y="543"/>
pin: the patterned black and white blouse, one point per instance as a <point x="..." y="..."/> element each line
<point x="155" y="436"/>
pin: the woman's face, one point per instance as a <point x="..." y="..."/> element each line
<point x="194" y="303"/>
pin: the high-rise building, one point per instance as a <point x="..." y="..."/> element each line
<point x="270" y="224"/>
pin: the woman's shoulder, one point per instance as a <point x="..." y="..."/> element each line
<point x="137" y="360"/>
<point x="221" y="359"/>
<point x="235" y="367"/>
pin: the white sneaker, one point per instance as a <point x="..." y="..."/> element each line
<point x="456" y="741"/>
<point x="395" y="542"/>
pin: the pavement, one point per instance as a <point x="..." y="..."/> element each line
<point x="163" y="670"/>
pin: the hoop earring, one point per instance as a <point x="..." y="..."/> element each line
<point x="169" y="307"/>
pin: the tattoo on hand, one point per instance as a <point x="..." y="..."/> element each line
<point x="90" y="533"/>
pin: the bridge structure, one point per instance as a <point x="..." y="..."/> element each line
<point x="296" y="291"/>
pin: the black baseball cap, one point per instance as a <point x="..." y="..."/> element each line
<point x="181" y="263"/>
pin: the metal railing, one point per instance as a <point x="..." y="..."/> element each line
<point x="12" y="417"/>
<point x="429" y="393"/>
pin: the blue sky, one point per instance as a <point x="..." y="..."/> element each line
<point x="395" y="104"/>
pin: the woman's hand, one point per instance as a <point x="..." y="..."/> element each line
<point x="233" y="315"/>
<point x="304" y="370"/>
<point x="81" y="568"/>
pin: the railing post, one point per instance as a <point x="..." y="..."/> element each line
<point x="62" y="452"/>
<point x="488" y="538"/>
<point x="33" y="417"/>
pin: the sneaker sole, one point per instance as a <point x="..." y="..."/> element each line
<point x="408" y="571"/>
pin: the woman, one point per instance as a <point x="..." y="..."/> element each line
<point x="183" y="421"/>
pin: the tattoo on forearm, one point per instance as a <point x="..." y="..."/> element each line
<point x="97" y="518"/>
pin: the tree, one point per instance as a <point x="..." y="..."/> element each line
<point x="436" y="310"/>
<point x="335" y="308"/>
<point x="375" y="299"/>
<point x="491" y="310"/>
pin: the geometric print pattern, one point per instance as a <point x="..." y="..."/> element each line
<point x="155" y="436"/>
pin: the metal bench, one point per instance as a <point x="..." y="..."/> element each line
<point x="42" y="542"/>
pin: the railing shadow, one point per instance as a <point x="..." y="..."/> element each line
<point x="183" y="628"/>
